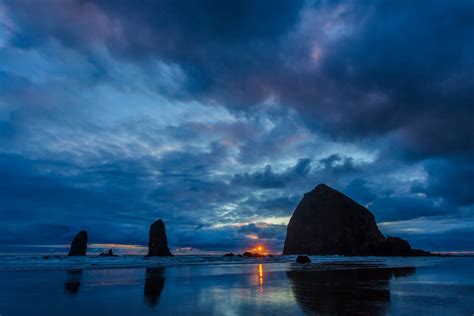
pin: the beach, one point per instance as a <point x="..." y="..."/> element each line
<point x="212" y="285"/>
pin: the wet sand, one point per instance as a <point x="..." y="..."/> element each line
<point x="443" y="286"/>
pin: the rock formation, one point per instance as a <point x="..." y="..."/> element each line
<point x="249" y="254"/>
<point x="109" y="253"/>
<point x="326" y="222"/>
<point x="79" y="244"/>
<point x="158" y="242"/>
<point x="303" y="259"/>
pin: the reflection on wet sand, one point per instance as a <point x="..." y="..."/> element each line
<point x="260" y="278"/>
<point x="154" y="283"/>
<point x="353" y="290"/>
<point x="73" y="281"/>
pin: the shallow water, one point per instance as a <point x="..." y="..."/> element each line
<point x="212" y="285"/>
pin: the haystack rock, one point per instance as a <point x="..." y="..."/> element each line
<point x="327" y="222"/>
<point x="158" y="242"/>
<point x="79" y="244"/>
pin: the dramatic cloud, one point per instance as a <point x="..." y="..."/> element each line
<point x="218" y="117"/>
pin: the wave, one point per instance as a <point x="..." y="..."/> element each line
<point x="62" y="262"/>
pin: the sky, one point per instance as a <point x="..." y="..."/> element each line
<point x="217" y="117"/>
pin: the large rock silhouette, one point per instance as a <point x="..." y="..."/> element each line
<point x="79" y="244"/>
<point x="327" y="222"/>
<point x="158" y="242"/>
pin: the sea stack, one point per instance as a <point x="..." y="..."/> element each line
<point x="327" y="222"/>
<point x="79" y="244"/>
<point x="158" y="242"/>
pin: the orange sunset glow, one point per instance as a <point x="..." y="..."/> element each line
<point x="260" y="249"/>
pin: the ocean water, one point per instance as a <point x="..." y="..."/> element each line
<point x="214" y="285"/>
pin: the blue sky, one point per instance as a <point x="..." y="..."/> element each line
<point x="218" y="117"/>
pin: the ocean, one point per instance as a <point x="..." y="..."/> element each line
<point x="216" y="285"/>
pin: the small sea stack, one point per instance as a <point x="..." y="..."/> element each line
<point x="109" y="253"/>
<point x="249" y="254"/>
<point x="79" y="244"/>
<point x="158" y="242"/>
<point x="303" y="259"/>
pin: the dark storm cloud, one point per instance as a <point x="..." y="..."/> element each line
<point x="406" y="68"/>
<point x="451" y="180"/>
<point x="405" y="207"/>
<point x="337" y="164"/>
<point x="351" y="70"/>
<point x="114" y="113"/>
<point x="264" y="231"/>
<point x="46" y="193"/>
<point x="268" y="204"/>
<point x="49" y="200"/>
<point x="203" y="37"/>
<point x="268" y="179"/>
<point x="361" y="190"/>
<point x="154" y="26"/>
